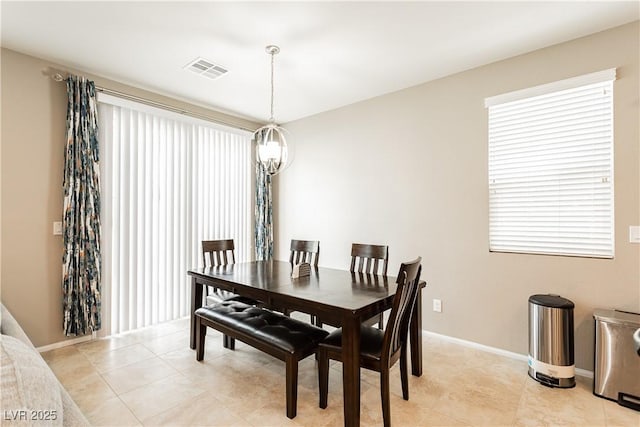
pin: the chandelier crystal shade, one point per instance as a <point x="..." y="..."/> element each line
<point x="271" y="143"/>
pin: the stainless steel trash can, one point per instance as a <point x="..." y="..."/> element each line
<point x="616" y="374"/>
<point x="551" y="352"/>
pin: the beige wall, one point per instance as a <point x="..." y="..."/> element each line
<point x="409" y="169"/>
<point x="33" y="137"/>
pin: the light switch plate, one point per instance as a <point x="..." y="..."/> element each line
<point x="57" y="228"/>
<point x="634" y="234"/>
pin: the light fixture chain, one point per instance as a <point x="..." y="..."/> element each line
<point x="272" y="119"/>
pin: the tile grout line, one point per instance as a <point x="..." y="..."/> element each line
<point x="100" y="374"/>
<point x="151" y="383"/>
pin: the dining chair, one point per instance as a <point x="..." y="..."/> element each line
<point x="217" y="253"/>
<point x="305" y="251"/>
<point x="370" y="260"/>
<point x="220" y="253"/>
<point x="379" y="350"/>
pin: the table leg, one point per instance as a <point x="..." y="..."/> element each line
<point x="196" y="303"/>
<point x="416" y="336"/>
<point x="351" y="371"/>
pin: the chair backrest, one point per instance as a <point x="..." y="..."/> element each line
<point x="305" y="251"/>
<point x="395" y="334"/>
<point x="365" y="254"/>
<point x="221" y="252"/>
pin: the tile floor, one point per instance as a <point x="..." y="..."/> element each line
<point x="150" y="377"/>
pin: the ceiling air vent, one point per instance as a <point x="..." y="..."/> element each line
<point x="206" y="68"/>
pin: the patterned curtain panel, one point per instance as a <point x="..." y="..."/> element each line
<point x="81" y="262"/>
<point x="264" y="228"/>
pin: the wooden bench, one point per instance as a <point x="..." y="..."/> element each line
<point x="285" y="338"/>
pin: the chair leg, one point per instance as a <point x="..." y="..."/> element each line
<point x="323" y="376"/>
<point x="384" y="395"/>
<point x="201" y="333"/>
<point x="228" y="342"/>
<point x="404" y="377"/>
<point x="292" y="386"/>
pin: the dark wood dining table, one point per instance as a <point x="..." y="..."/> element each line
<point x="338" y="297"/>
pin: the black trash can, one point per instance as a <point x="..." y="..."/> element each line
<point x="551" y="346"/>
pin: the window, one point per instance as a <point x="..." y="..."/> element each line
<point x="551" y="168"/>
<point x="168" y="182"/>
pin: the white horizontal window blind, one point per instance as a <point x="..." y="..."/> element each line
<point x="551" y="169"/>
<point x="169" y="182"/>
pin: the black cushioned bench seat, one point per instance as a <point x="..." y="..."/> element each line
<point x="287" y="339"/>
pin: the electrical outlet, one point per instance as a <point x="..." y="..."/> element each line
<point x="437" y="305"/>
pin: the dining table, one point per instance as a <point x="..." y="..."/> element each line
<point x="337" y="297"/>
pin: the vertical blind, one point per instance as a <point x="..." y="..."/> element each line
<point x="551" y="169"/>
<point x="169" y="182"/>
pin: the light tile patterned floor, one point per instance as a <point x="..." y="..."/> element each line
<point x="150" y="377"/>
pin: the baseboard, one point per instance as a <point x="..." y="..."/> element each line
<point x="584" y="373"/>
<point x="66" y="343"/>
<point x="517" y="356"/>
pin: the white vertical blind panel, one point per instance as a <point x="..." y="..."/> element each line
<point x="171" y="185"/>
<point x="551" y="173"/>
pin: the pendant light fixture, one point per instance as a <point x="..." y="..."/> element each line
<point x="271" y="144"/>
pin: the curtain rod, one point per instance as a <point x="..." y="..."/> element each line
<point x="57" y="76"/>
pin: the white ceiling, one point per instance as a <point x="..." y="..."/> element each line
<point x="333" y="53"/>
